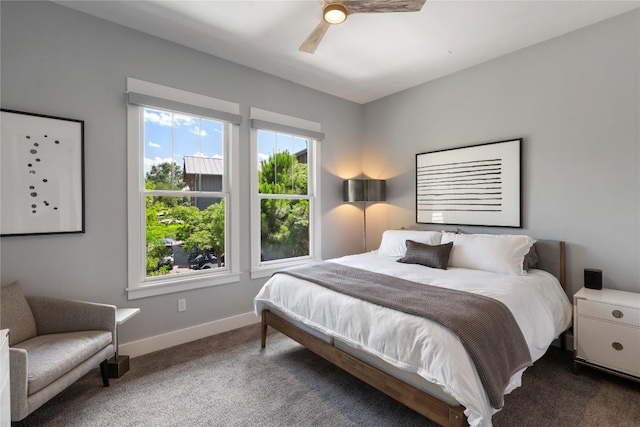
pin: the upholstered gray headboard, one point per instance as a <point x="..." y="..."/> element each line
<point x="551" y="254"/>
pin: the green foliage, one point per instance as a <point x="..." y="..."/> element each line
<point x="284" y="224"/>
<point x="199" y="230"/>
<point x="166" y="176"/>
<point x="282" y="174"/>
<point x="207" y="231"/>
<point x="166" y="216"/>
<point x="188" y="217"/>
<point x="156" y="231"/>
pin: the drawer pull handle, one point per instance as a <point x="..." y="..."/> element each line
<point x="617" y="314"/>
<point x="617" y="346"/>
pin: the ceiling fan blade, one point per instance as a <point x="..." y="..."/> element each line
<point x="383" y="6"/>
<point x="312" y="42"/>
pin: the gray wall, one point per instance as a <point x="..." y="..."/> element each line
<point x="575" y="101"/>
<point x="60" y="62"/>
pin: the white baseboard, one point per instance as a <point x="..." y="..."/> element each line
<point x="181" y="336"/>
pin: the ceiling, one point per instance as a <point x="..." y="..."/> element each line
<point x="367" y="57"/>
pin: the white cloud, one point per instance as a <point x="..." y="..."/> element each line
<point x="152" y="162"/>
<point x="158" y="117"/>
<point x="153" y="144"/>
<point x="215" y="156"/>
<point x="184" y="120"/>
<point x="202" y="132"/>
<point x="261" y="158"/>
<point x="164" y="119"/>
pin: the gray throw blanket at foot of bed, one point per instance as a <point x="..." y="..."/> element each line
<point x="485" y="326"/>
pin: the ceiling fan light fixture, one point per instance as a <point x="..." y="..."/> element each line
<point x="335" y="13"/>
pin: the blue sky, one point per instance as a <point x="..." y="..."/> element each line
<point x="193" y="137"/>
<point x="199" y="137"/>
<point x="270" y="142"/>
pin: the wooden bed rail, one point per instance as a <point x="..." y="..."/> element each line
<point x="426" y="405"/>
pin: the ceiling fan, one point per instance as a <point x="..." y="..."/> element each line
<point x="336" y="11"/>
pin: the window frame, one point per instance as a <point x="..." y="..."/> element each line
<point x="139" y="285"/>
<point x="284" y="125"/>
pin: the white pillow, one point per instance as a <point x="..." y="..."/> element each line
<point x="502" y="254"/>
<point x="393" y="241"/>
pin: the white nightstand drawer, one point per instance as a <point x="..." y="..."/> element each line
<point x="613" y="313"/>
<point x="611" y="345"/>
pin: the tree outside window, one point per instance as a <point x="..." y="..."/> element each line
<point x="283" y="196"/>
<point x="185" y="198"/>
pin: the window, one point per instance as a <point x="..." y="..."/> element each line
<point x="285" y="182"/>
<point x="182" y="198"/>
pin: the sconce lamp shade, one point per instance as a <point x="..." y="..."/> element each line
<point x="353" y="190"/>
<point x="364" y="190"/>
<point x="376" y="190"/>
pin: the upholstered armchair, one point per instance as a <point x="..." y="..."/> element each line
<point x="52" y="343"/>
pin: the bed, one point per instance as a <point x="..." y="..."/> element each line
<point x="414" y="360"/>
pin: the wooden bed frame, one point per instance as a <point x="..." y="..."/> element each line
<point x="421" y="402"/>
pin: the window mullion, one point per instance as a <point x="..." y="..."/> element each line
<point x="284" y="196"/>
<point x="173" y="147"/>
<point x="168" y="193"/>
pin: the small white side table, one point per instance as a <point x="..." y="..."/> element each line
<point x="119" y="364"/>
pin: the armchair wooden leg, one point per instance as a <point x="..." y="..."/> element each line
<point x="104" y="371"/>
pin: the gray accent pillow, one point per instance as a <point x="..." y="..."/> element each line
<point x="434" y="256"/>
<point x="15" y="314"/>
<point x="530" y="259"/>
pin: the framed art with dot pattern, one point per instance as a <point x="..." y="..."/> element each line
<point x="42" y="174"/>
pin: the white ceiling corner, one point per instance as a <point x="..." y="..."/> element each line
<point x="367" y="57"/>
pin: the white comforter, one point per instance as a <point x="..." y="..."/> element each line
<point x="417" y="345"/>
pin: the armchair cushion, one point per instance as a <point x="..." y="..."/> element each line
<point x="15" y="314"/>
<point x="51" y="356"/>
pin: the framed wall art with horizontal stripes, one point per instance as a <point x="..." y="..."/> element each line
<point x="474" y="185"/>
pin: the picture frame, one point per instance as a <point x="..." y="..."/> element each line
<point x="42" y="174"/>
<point x="478" y="185"/>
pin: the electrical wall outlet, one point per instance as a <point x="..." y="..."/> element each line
<point x="182" y="304"/>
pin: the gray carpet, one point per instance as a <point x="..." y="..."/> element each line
<point x="226" y="380"/>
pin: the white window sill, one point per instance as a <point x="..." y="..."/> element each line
<point x="181" y="284"/>
<point x="269" y="269"/>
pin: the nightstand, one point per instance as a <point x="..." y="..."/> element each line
<point x="607" y="331"/>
